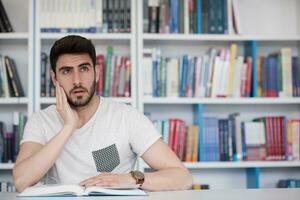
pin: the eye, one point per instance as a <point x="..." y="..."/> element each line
<point x="66" y="71"/>
<point x="84" y="68"/>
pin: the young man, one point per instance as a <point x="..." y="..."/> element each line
<point x="90" y="140"/>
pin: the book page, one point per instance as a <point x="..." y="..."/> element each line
<point x="53" y="190"/>
<point x="120" y="190"/>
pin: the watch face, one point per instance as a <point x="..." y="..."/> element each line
<point x="138" y="175"/>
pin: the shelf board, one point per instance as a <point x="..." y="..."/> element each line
<point x="14" y="100"/>
<point x="4" y="166"/>
<point x="217" y="165"/>
<point x="189" y="100"/>
<point x="217" y="37"/>
<point x="52" y="100"/>
<point x="14" y="35"/>
<point x="242" y="164"/>
<point x="93" y="36"/>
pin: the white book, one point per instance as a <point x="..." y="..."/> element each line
<point x="230" y="17"/>
<point x="255" y="133"/>
<point x="237" y="82"/>
<point x="98" y="15"/>
<point x="57" y="190"/>
<point x="218" y="63"/>
<point x="4" y="77"/>
<point x="147" y="72"/>
<point x="172" y="77"/>
<point x="237" y="17"/>
<point x="286" y="63"/>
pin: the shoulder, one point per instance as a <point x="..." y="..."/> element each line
<point x="47" y="113"/>
<point x="117" y="107"/>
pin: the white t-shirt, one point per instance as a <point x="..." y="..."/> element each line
<point x="109" y="142"/>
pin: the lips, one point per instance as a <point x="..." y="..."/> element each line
<point x="78" y="92"/>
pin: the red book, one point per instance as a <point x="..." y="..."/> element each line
<point x="249" y="75"/>
<point x="171" y="132"/>
<point x="282" y="133"/>
<point x="182" y="140"/>
<point x="127" y="77"/>
<point x="176" y="136"/>
<point x="100" y="84"/>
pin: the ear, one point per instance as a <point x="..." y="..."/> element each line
<point x="97" y="71"/>
<point x="53" y="78"/>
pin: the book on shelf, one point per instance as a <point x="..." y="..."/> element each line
<point x="10" y="140"/>
<point x="98" y="16"/>
<point x="202" y="16"/>
<point x="7" y="186"/>
<point x="288" y="183"/>
<point x="57" y="190"/>
<point x="221" y="73"/>
<point x="230" y="139"/>
<point x="11" y="85"/>
<point x="5" y="24"/>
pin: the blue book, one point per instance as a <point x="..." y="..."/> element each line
<point x="174" y="16"/>
<point x="185" y="63"/>
<point x="198" y="110"/>
<point x="251" y="50"/>
<point x="199" y="16"/>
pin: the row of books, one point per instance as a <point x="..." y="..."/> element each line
<point x="230" y="139"/>
<point x="10" y="140"/>
<point x="114" y="77"/>
<point x="10" y="83"/>
<point x="288" y="183"/>
<point x="191" y="16"/>
<point x="5" y="25"/>
<point x="92" y="16"/>
<point x="221" y="73"/>
<point x="7" y="186"/>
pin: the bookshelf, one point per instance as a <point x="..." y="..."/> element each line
<point x="124" y="44"/>
<point x="279" y="29"/>
<point x="19" y="46"/>
<point x="270" y="33"/>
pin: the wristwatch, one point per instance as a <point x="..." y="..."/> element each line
<point x="138" y="176"/>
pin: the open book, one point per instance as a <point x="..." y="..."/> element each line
<point x="57" y="190"/>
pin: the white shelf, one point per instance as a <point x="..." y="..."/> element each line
<point x="14" y="36"/>
<point x="189" y="100"/>
<point x="14" y="100"/>
<point x="218" y="165"/>
<point x="216" y="37"/>
<point x="4" y="166"/>
<point x="52" y="100"/>
<point x="93" y="36"/>
<point x="242" y="164"/>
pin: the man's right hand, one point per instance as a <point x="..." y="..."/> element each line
<point x="68" y="114"/>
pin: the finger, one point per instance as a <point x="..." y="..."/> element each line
<point x="63" y="94"/>
<point x="58" y="95"/>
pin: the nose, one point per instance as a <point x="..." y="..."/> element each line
<point x="76" y="78"/>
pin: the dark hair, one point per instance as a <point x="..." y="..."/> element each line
<point x="71" y="44"/>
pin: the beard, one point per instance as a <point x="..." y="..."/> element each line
<point x="81" y="101"/>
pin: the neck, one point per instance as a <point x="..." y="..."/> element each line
<point x="86" y="112"/>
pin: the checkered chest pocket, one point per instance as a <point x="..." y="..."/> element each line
<point x="106" y="159"/>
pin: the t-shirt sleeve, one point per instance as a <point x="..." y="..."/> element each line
<point x="142" y="132"/>
<point x="33" y="131"/>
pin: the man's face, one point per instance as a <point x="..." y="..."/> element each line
<point x="76" y="74"/>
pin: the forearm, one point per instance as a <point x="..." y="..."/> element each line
<point x="168" y="179"/>
<point x="31" y="170"/>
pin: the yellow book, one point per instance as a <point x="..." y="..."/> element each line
<point x="233" y="50"/>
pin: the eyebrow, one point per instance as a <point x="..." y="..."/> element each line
<point x="70" y="67"/>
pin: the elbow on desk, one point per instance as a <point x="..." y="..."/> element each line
<point x="189" y="181"/>
<point x="20" y="182"/>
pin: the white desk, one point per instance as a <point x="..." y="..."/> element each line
<point x="244" y="194"/>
